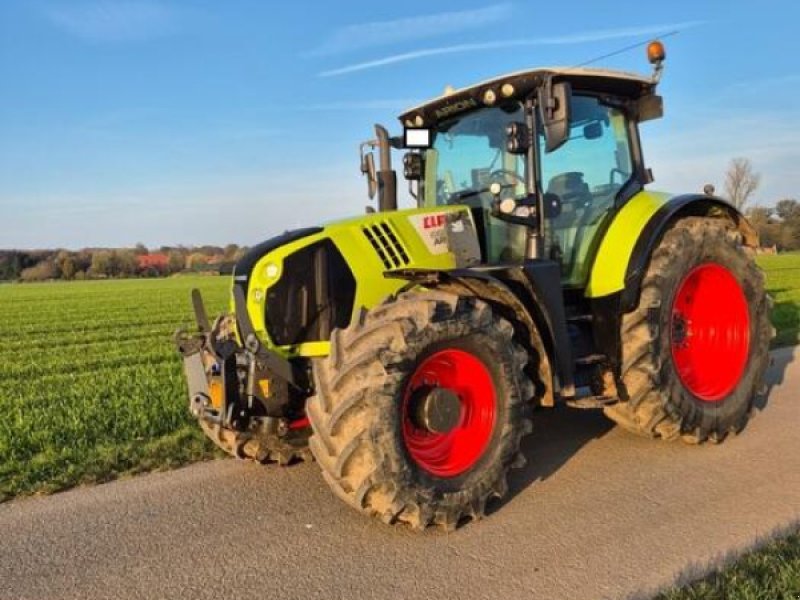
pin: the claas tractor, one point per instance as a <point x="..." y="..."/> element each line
<point x="408" y="351"/>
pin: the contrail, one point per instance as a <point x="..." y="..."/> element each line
<point x="577" y="38"/>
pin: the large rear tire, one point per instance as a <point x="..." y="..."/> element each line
<point x="375" y="451"/>
<point x="695" y="350"/>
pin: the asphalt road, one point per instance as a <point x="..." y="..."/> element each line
<point x="597" y="513"/>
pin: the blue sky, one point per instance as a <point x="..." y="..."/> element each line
<point x="213" y="122"/>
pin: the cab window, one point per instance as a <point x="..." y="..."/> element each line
<point x="585" y="174"/>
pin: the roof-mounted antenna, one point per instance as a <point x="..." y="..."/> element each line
<point x="655" y="54"/>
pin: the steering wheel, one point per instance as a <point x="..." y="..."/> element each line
<point x="498" y="174"/>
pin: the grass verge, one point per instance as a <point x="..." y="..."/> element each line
<point x="771" y="573"/>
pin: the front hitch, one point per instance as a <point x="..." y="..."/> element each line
<point x="237" y="387"/>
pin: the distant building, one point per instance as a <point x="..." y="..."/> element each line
<point x="155" y="262"/>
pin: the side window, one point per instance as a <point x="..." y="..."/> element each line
<point x="585" y="173"/>
<point x="598" y="148"/>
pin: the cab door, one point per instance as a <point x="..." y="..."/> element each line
<point x="586" y="174"/>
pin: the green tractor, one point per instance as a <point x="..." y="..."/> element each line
<point x="407" y="350"/>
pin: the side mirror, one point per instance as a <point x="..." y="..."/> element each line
<point x="412" y="166"/>
<point x="368" y="169"/>
<point x="554" y="107"/>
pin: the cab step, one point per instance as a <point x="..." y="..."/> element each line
<point x="591" y="402"/>
<point x="591" y="359"/>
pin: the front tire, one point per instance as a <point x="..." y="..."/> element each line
<point x="375" y="450"/>
<point x="695" y="350"/>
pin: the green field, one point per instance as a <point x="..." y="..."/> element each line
<point x="783" y="283"/>
<point x="90" y="383"/>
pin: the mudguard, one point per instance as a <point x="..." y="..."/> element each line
<point x="625" y="250"/>
<point x="531" y="292"/>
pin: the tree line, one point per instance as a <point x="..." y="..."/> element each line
<point x="105" y="263"/>
<point x="778" y="225"/>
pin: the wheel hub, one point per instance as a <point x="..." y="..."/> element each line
<point x="449" y="412"/>
<point x="435" y="409"/>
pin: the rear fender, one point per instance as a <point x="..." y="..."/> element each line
<point x="689" y="205"/>
<point x="636" y="230"/>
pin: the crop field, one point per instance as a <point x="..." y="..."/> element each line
<point x="90" y="384"/>
<point x="783" y="283"/>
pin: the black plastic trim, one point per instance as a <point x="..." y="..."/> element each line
<point x="607" y="327"/>
<point x="314" y="295"/>
<point x="274" y="362"/>
<point x="241" y="272"/>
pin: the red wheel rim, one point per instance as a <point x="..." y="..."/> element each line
<point x="452" y="453"/>
<point x="710" y="332"/>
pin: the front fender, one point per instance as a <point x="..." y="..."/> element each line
<point x="530" y="294"/>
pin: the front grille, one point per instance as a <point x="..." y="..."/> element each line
<point x="314" y="295"/>
<point x="387" y="245"/>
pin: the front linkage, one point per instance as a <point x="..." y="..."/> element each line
<point x="249" y="397"/>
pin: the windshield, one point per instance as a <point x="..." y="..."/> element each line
<point x="469" y="153"/>
<point x="467" y="156"/>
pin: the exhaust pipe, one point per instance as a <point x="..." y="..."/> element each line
<point x="387" y="178"/>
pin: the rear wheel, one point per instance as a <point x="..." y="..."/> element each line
<point x="420" y="408"/>
<point x="696" y="348"/>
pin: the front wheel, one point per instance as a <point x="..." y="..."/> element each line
<point x="695" y="350"/>
<point x="420" y="408"/>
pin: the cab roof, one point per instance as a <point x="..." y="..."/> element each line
<point x="520" y="84"/>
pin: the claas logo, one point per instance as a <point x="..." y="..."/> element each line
<point x="433" y="221"/>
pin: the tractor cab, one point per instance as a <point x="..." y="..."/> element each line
<point x="543" y="158"/>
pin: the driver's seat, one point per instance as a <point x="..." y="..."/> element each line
<point x="565" y="226"/>
<point x="571" y="188"/>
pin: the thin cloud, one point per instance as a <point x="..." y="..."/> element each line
<point x="756" y="83"/>
<point x="114" y="21"/>
<point x="378" y="33"/>
<point x="577" y="38"/>
<point x="391" y="104"/>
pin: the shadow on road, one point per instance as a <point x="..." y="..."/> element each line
<point x="559" y="433"/>
<point x="781" y="359"/>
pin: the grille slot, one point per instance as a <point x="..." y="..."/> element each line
<point x="387" y="245"/>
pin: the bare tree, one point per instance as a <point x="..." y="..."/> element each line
<point x="741" y="181"/>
